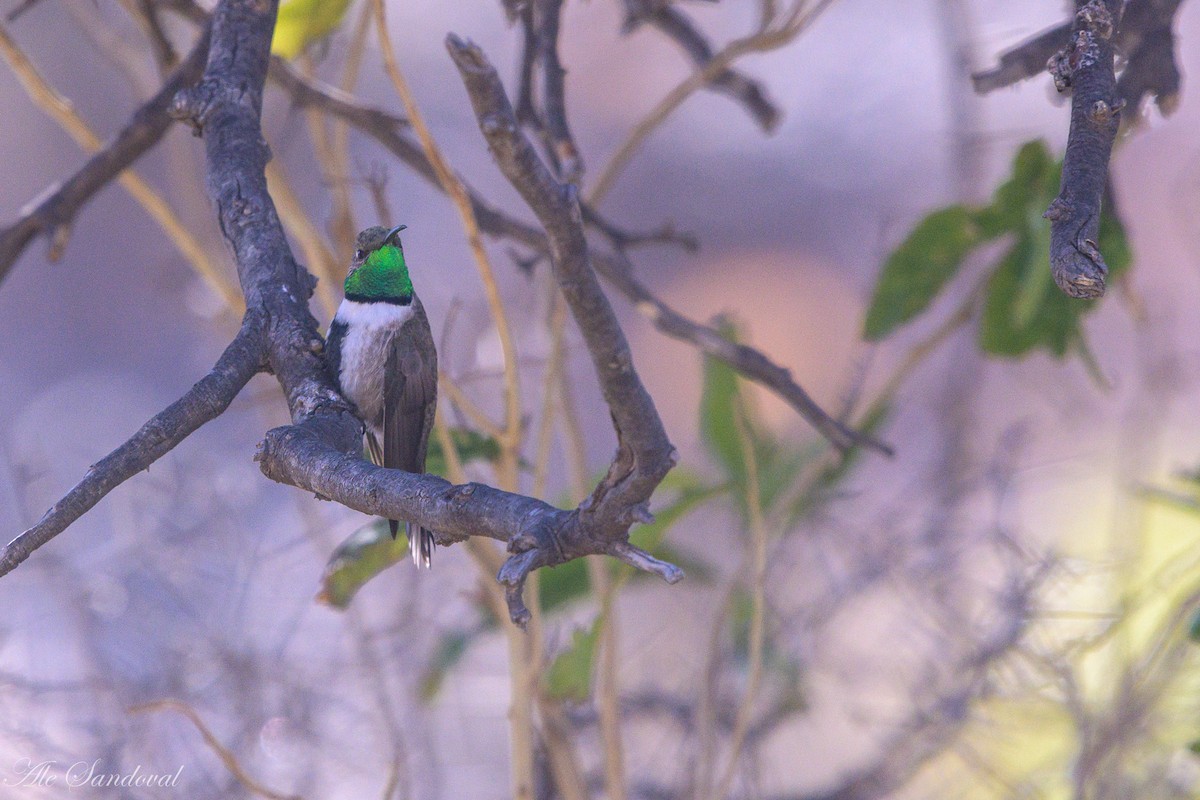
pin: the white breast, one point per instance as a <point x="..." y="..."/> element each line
<point x="364" y="352"/>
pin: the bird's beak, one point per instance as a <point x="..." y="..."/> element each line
<point x="393" y="232"/>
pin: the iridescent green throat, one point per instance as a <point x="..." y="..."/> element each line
<point x="383" y="278"/>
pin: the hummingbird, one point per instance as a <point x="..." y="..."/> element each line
<point x="381" y="353"/>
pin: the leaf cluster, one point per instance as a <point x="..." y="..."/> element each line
<point x="1023" y="311"/>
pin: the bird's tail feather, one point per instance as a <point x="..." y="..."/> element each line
<point x="420" y="544"/>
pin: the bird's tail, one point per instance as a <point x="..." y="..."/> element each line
<point x="420" y="544"/>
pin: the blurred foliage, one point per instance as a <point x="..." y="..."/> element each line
<point x="302" y="23"/>
<point x="363" y="555"/>
<point x="570" y="674"/>
<point x="451" y="647"/>
<point x="371" y="549"/>
<point x="1023" y="310"/>
<point x="1103" y="697"/>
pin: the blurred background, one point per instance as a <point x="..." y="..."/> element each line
<point x="997" y="611"/>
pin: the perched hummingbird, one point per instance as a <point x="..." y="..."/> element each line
<point x="381" y="352"/>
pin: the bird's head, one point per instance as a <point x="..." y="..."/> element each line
<point x="377" y="270"/>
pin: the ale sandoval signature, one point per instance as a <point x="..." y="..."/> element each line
<point x="27" y="772"/>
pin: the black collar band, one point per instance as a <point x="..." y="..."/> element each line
<point x="402" y="300"/>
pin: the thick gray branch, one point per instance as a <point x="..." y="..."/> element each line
<point x="205" y="401"/>
<point x="645" y="453"/>
<point x="1085" y="67"/>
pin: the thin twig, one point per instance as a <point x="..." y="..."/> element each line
<point x="463" y="402"/>
<point x="61" y="110"/>
<point x="673" y="23"/>
<point x="546" y="18"/>
<point x="341" y="223"/>
<point x="224" y="753"/>
<point x="295" y="218"/>
<point x="758" y="583"/>
<point x="772" y="34"/>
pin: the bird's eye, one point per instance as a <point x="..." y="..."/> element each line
<point x="359" y="255"/>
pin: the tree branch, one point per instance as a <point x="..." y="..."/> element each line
<point x="728" y="81"/>
<point x="56" y="208"/>
<point x="546" y="15"/>
<point x="644" y="454"/>
<point x="1145" y="37"/>
<point x="1085" y="66"/>
<point x="205" y="401"/>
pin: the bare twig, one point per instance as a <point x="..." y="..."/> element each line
<point x="295" y="218"/>
<point x="644" y="454"/>
<point x="774" y="32"/>
<point x="1023" y="61"/>
<point x="342" y="226"/>
<point x="546" y="14"/>
<point x="1085" y="67"/>
<point x="672" y="22"/>
<point x="1147" y="39"/>
<point x="1144" y="37"/>
<point x="145" y="13"/>
<point x="224" y="753"/>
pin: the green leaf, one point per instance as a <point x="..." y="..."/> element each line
<point x="1050" y="326"/>
<point x="570" y="674"/>
<point x="720" y="400"/>
<point x="1032" y="183"/>
<point x="1113" y="243"/>
<point x="451" y="647"/>
<point x="1023" y="309"/>
<point x="303" y="22"/>
<point x="918" y="269"/>
<point x="563" y="584"/>
<point x="363" y="555"/>
<point x="471" y="445"/>
<point x="1033" y="289"/>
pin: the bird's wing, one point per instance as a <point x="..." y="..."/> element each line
<point x="410" y="403"/>
<point x="409" y="395"/>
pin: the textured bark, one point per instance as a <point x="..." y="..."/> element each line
<point x="1085" y="67"/>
